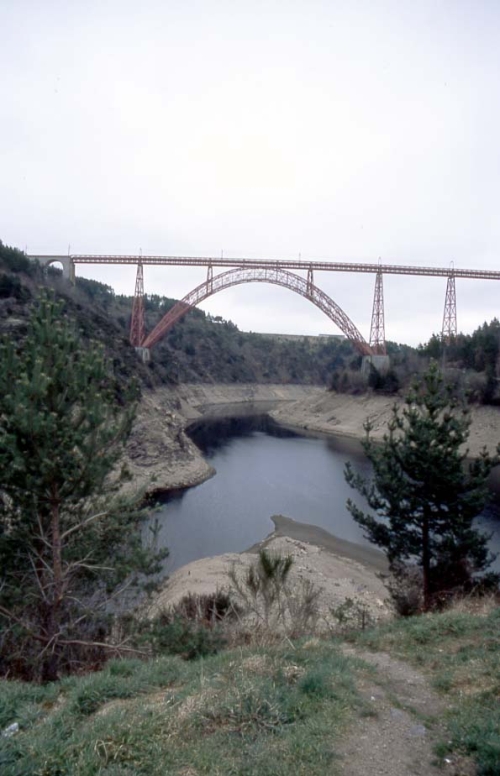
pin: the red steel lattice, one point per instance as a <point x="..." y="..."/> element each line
<point x="275" y="275"/>
<point x="377" y="329"/>
<point x="450" y="310"/>
<point x="377" y="338"/>
<point x="137" y="326"/>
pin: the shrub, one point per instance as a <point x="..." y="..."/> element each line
<point x="352" y="614"/>
<point x="191" y="628"/>
<point x="405" y="588"/>
<point x="180" y="637"/>
<point x="267" y="595"/>
<point x="11" y="288"/>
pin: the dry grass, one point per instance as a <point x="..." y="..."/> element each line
<point x="480" y="606"/>
<point x="256" y="664"/>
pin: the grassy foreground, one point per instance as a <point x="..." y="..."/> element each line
<point x="272" y="711"/>
<point x="254" y="711"/>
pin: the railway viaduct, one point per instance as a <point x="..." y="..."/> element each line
<point x="278" y="272"/>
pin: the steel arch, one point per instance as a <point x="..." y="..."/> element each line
<point x="276" y="275"/>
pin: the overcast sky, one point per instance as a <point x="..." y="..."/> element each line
<point x="340" y="129"/>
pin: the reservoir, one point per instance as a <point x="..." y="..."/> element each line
<point x="263" y="469"/>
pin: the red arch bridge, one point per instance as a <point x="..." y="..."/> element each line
<point x="281" y="273"/>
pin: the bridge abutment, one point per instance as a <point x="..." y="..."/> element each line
<point x="381" y="363"/>
<point x="144" y="354"/>
<point x="68" y="265"/>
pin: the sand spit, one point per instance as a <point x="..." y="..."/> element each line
<point x="339" y="568"/>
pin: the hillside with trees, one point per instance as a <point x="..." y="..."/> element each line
<point x="200" y="348"/>
<point x="472" y="361"/>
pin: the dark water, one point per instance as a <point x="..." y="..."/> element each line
<point x="262" y="470"/>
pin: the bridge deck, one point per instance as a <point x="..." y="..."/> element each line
<point x="291" y="264"/>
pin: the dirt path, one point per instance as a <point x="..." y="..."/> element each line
<point x="404" y="720"/>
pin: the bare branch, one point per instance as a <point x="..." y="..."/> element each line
<point x="42" y="536"/>
<point x="12" y="617"/>
<point x="38" y="580"/>
<point x="111" y="647"/>
<point x="83" y="524"/>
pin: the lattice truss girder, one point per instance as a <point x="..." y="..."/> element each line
<point x="137" y="325"/>
<point x="301" y="264"/>
<point x="450" y="310"/>
<point x="377" y="328"/>
<point x="275" y="275"/>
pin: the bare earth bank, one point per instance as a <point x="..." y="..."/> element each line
<point x="342" y="415"/>
<point x="340" y="569"/>
<point x="160" y="456"/>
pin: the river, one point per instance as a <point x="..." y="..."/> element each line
<point x="264" y="469"/>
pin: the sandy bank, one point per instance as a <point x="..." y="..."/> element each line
<point x="343" y="415"/>
<point x="312" y="534"/>
<point x="340" y="569"/>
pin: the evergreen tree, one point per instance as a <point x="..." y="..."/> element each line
<point x="424" y="493"/>
<point x="68" y="539"/>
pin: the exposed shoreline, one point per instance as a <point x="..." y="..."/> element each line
<point x="340" y="570"/>
<point x="312" y="534"/>
<point x="341" y="415"/>
<point x="161" y="457"/>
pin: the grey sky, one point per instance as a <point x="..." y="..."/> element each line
<point x="342" y="130"/>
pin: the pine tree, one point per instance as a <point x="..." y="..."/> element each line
<point x="424" y="493"/>
<point x="68" y="539"/>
